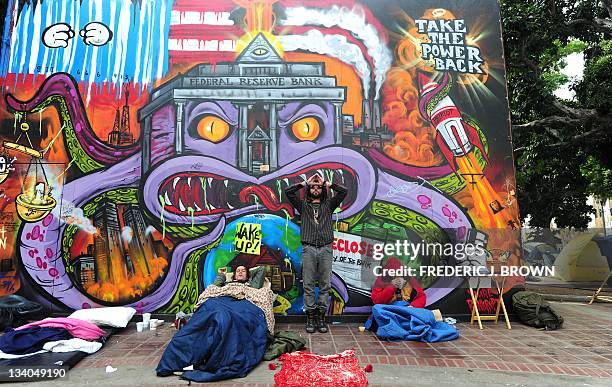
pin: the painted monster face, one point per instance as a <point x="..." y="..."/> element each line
<point x="207" y="181"/>
<point x="227" y="139"/>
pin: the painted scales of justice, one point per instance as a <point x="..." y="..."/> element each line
<point x="35" y="200"/>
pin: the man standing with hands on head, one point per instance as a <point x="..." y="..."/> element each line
<point x="317" y="235"/>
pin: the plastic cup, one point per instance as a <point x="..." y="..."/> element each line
<point x="361" y="329"/>
<point x="146" y="319"/>
<point x="139" y="326"/>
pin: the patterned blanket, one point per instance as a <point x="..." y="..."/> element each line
<point x="263" y="298"/>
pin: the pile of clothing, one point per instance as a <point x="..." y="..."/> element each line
<point x="62" y="334"/>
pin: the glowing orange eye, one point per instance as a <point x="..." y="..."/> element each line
<point x="306" y="129"/>
<point x="213" y="129"/>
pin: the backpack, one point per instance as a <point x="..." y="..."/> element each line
<point x="16" y="310"/>
<point x="534" y="311"/>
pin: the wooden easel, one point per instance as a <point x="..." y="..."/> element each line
<point x="500" y="304"/>
<point x="605" y="298"/>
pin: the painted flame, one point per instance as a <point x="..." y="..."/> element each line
<point x="131" y="287"/>
<point x="414" y="140"/>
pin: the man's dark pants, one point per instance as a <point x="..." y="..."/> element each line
<point x="316" y="264"/>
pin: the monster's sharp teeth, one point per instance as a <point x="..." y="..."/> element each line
<point x="303" y="176"/>
<point x="176" y="179"/>
<point x="225" y="183"/>
<point x="167" y="199"/>
<point x="189" y="181"/>
<point x="286" y="181"/>
<point x="210" y="179"/>
<point x="321" y="173"/>
<point x="212" y="207"/>
<point x="229" y="206"/>
<point x="198" y="209"/>
<point x="181" y="206"/>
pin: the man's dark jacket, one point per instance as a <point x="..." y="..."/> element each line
<point x="312" y="233"/>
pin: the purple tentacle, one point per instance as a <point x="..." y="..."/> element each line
<point x="424" y="101"/>
<point x="62" y="84"/>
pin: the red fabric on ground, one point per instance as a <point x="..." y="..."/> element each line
<point x="310" y="369"/>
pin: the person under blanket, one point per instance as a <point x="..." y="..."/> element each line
<point x="399" y="322"/>
<point x="225" y="338"/>
<point x="251" y="285"/>
<point x="388" y="290"/>
<point x="399" y="311"/>
<point x="227" y="335"/>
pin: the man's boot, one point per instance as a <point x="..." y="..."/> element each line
<point x="311" y="323"/>
<point x="322" y="326"/>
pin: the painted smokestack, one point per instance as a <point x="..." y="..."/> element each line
<point x="376" y="118"/>
<point x="367" y="115"/>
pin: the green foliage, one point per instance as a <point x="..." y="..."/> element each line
<point x="554" y="58"/>
<point x="551" y="187"/>
<point x="572" y="47"/>
<point x="563" y="153"/>
<point x="598" y="176"/>
<point x="596" y="86"/>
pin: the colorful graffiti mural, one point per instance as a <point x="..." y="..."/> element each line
<point x="138" y="135"/>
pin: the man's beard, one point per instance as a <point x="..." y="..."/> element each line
<point x="313" y="196"/>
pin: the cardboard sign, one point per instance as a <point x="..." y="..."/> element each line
<point x="248" y="238"/>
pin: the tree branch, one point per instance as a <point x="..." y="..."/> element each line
<point x="602" y="25"/>
<point x="553" y="7"/>
<point x="577" y="113"/>
<point x="575" y="138"/>
<point x="530" y="63"/>
<point x="607" y="4"/>
<point x="568" y="141"/>
<point x="552" y="120"/>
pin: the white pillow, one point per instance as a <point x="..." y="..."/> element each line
<point x="117" y="316"/>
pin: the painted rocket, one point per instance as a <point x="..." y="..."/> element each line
<point x="454" y="136"/>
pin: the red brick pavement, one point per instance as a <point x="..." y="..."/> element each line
<point x="583" y="347"/>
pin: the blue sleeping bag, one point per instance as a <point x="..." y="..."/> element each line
<point x="400" y="322"/>
<point x="225" y="338"/>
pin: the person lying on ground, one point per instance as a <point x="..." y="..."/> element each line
<point x="227" y="335"/>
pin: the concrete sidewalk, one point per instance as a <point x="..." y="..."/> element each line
<point x="578" y="354"/>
